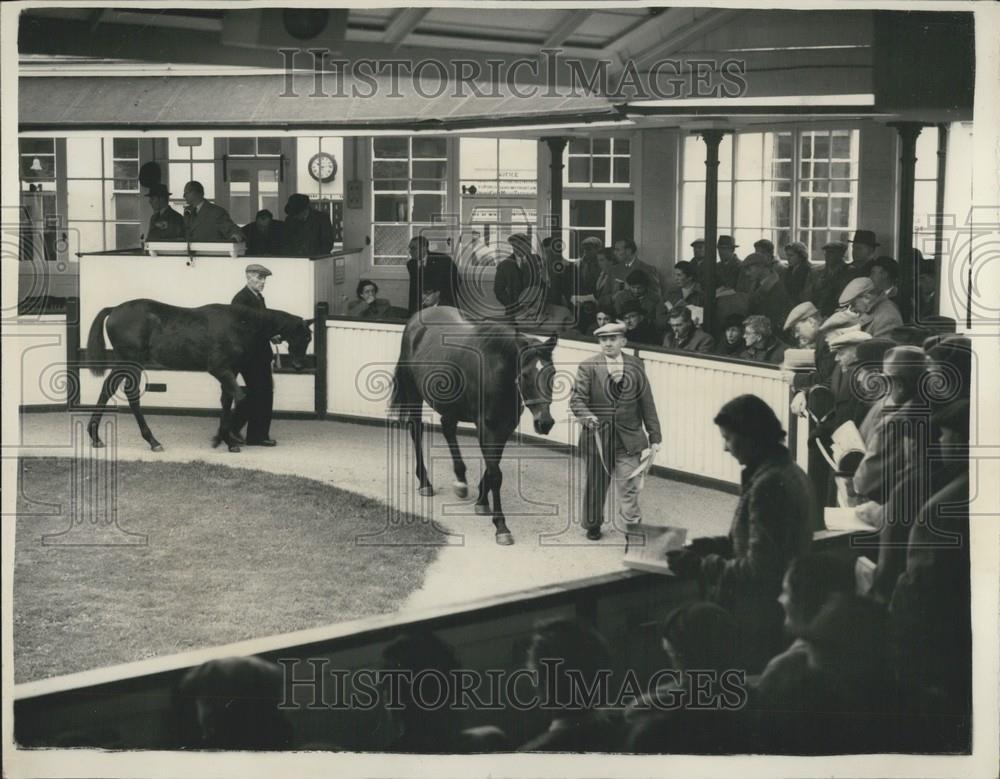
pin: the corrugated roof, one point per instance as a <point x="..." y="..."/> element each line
<point x="264" y="101"/>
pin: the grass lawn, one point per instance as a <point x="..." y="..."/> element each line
<point x="230" y="554"/>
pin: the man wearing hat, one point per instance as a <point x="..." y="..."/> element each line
<point x="308" y="233"/>
<point x="825" y="284"/>
<point x="726" y="248"/>
<point x="769" y="297"/>
<point x="519" y="283"/>
<point x="638" y="329"/>
<point x="894" y="428"/>
<point x="256" y="408"/>
<point x="862" y="297"/>
<point x="613" y="400"/>
<point x="803" y="323"/>
<point x="863" y="246"/>
<point x="165" y="224"/>
<point x="205" y="221"/>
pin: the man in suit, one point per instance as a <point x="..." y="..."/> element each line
<point x="433" y="276"/>
<point x="308" y="233"/>
<point x="165" y="224"/>
<point x="265" y="234"/>
<point x="768" y="296"/>
<point x="684" y="335"/>
<point x="256" y="408"/>
<point x="613" y="400"/>
<point x="204" y="221"/>
<point x="519" y="283"/>
<point x="625" y="251"/>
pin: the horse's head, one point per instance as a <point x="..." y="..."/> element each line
<point x="296" y="333"/>
<point x="535" y="382"/>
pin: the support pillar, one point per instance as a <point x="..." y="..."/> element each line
<point x="712" y="139"/>
<point x="908" y="132"/>
<point x="942" y="170"/>
<point x="556" y="148"/>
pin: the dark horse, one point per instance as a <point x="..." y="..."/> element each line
<point x="216" y="338"/>
<point x="472" y="372"/>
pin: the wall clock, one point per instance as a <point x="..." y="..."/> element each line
<point x="323" y="167"/>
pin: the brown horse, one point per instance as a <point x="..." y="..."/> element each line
<point x="215" y="338"/>
<point x="472" y="372"/>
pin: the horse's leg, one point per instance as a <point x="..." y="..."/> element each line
<point x="416" y="425"/>
<point x="114" y="378"/>
<point x="132" y="393"/>
<point x="230" y="392"/>
<point x="492" y="444"/>
<point x="449" y="427"/>
<point x="483" y="499"/>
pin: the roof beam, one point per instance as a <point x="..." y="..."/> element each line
<point x="566" y="27"/>
<point x="403" y="24"/>
<point x="680" y="37"/>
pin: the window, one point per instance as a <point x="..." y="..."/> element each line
<point x="925" y="204"/>
<point x="39" y="217"/>
<point x="409" y="183"/>
<point x="795" y="185"/>
<point x="253" y="147"/>
<point x="498" y="185"/>
<point x="125" y="192"/>
<point x="608" y="220"/>
<point x="598" y="162"/>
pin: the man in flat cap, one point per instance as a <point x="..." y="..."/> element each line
<point x="519" y="284"/>
<point x="803" y="323"/>
<point x="863" y="246"/>
<point x="769" y="297"/>
<point x="862" y="297"/>
<point x="825" y="284"/>
<point x="165" y="224"/>
<point x="256" y="408"/>
<point x="613" y="400"/>
<point x="308" y="233"/>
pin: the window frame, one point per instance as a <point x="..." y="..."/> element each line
<point x="446" y="192"/>
<point x="602" y="187"/>
<point x="795" y="229"/>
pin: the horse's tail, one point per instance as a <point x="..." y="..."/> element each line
<point x="96" y="352"/>
<point x="404" y="389"/>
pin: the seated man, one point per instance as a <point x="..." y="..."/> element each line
<point x="637" y="329"/>
<point x="762" y="346"/>
<point x="638" y="289"/>
<point x="684" y="334"/>
<point x="864" y="299"/>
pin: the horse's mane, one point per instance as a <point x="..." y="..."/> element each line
<point x="507" y="341"/>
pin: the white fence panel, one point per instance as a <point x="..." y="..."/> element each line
<point x="40" y="345"/>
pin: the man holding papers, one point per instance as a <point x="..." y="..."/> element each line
<point x="613" y="400"/>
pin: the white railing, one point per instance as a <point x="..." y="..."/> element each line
<point x="39" y="346"/>
<point x="688" y="392"/>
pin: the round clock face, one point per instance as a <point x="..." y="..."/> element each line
<point x="323" y="167"/>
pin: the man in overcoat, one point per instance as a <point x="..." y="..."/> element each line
<point x="614" y="402"/>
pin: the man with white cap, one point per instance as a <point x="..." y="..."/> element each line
<point x="256" y="408"/>
<point x="861" y="297"/>
<point x="614" y="402"/>
<point x="803" y="322"/>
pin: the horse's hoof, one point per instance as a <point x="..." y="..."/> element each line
<point x="461" y="489"/>
<point x="234" y="448"/>
<point x="156" y="447"/>
<point x="216" y="440"/>
<point x="483" y="510"/>
<point x="98" y="444"/>
<point x="505" y="539"/>
<point x="427" y="491"/>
